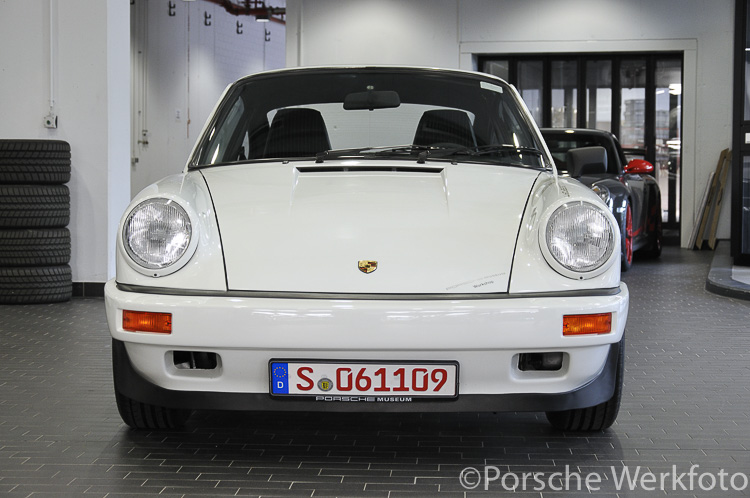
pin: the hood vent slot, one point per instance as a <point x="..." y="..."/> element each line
<point x="368" y="169"/>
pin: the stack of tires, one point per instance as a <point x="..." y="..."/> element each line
<point x="34" y="214"/>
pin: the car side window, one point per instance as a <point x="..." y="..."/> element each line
<point x="219" y="147"/>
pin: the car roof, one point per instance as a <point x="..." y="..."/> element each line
<point x="376" y="68"/>
<point x="577" y="131"/>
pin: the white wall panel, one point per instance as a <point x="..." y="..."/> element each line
<point x="373" y="32"/>
<point x="24" y="69"/>
<point x="90" y="60"/>
<point x="185" y="65"/>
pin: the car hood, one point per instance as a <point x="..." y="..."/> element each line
<point x="302" y="227"/>
<point x="591" y="180"/>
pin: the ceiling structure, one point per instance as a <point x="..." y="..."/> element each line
<point x="255" y="8"/>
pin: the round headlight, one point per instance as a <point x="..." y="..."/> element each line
<point x="602" y="192"/>
<point x="157" y="233"/>
<point x="580" y="237"/>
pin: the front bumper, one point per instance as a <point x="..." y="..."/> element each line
<point x="485" y="336"/>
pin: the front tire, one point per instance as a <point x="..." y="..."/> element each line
<point x="145" y="416"/>
<point x="593" y="418"/>
<point x="626" y="237"/>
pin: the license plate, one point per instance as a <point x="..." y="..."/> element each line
<point x="377" y="379"/>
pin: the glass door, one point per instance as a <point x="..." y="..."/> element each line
<point x="599" y="95"/>
<point x="564" y="93"/>
<point x="638" y="97"/>
<point x="531" y="86"/>
<point x="633" y="106"/>
<point x="740" y="233"/>
<point x="668" y="139"/>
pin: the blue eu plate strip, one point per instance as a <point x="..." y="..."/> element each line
<point x="280" y="378"/>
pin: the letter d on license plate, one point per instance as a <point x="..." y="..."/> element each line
<point x="315" y="378"/>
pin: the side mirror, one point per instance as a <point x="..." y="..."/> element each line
<point x="586" y="161"/>
<point x="639" y="167"/>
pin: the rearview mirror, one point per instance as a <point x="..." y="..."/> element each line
<point x="371" y="99"/>
<point x="639" y="167"/>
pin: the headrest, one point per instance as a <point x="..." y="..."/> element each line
<point x="445" y="126"/>
<point x="297" y="133"/>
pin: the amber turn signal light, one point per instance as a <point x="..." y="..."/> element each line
<point x="145" y="321"/>
<point x="600" y="323"/>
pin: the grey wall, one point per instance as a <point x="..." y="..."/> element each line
<point x="90" y="73"/>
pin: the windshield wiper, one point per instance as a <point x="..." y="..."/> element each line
<point x="505" y="149"/>
<point x="367" y="151"/>
<point x="427" y="151"/>
<point x="490" y="149"/>
<point x="483" y="150"/>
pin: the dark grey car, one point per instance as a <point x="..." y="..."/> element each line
<point x="628" y="188"/>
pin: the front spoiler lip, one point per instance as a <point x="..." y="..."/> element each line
<point x="131" y="384"/>
<point x="140" y="289"/>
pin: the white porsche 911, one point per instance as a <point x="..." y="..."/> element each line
<point x="368" y="239"/>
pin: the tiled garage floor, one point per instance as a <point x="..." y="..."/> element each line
<point x="686" y="407"/>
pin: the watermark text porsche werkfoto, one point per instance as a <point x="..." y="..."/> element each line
<point x="491" y="478"/>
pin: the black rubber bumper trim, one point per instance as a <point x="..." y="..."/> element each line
<point x="133" y="385"/>
<point x="140" y="289"/>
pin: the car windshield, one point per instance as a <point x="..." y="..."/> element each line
<point x="560" y="143"/>
<point x="370" y="112"/>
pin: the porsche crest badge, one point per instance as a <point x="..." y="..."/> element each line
<point x="366" y="266"/>
<point x="325" y="384"/>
